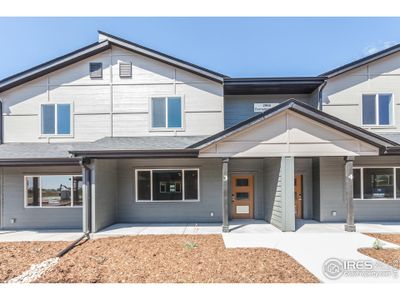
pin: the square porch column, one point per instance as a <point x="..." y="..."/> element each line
<point x="225" y="203"/>
<point x="86" y="189"/>
<point x="348" y="194"/>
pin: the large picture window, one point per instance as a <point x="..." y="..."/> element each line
<point x="56" y="119"/>
<point x="53" y="190"/>
<point x="377" y="109"/>
<point x="166" y="112"/>
<point x="376" y="183"/>
<point x="167" y="185"/>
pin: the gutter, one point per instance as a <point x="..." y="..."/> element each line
<point x="180" y="153"/>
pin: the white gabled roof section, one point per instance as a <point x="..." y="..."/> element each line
<point x="289" y="134"/>
<point x="103" y="36"/>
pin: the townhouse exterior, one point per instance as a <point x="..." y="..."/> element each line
<point x="119" y="133"/>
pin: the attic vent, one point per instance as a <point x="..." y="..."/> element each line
<point x="96" y="70"/>
<point x="125" y="70"/>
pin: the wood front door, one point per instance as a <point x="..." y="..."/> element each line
<point x="298" y="196"/>
<point x="242" y="197"/>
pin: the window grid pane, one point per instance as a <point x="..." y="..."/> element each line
<point x="158" y="113"/>
<point x="63" y="119"/>
<point x="385" y="109"/>
<point x="144" y="185"/>
<point x="191" y="185"/>
<point x="167" y="185"/>
<point x="369" y="109"/>
<point x="48" y="119"/>
<point x="356" y="183"/>
<point x="378" y="183"/>
<point x="174" y="112"/>
<point x="56" y="190"/>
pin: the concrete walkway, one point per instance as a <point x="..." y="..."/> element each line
<point x="39" y="235"/>
<point x="312" y="250"/>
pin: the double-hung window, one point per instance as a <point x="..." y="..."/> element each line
<point x="377" y="109"/>
<point x="158" y="185"/>
<point x="376" y="183"/>
<point x="166" y="112"/>
<point x="56" y="119"/>
<point x="53" y="191"/>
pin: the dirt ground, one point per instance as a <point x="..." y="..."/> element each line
<point x="388" y="256"/>
<point x="17" y="257"/>
<point x="174" y="259"/>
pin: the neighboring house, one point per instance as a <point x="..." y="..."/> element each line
<point x="119" y="133"/>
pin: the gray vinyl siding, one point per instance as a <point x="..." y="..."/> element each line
<point x="175" y="212"/>
<point x="332" y="192"/>
<point x="273" y="191"/>
<point x="12" y="191"/>
<point x="104" y="202"/>
<point x="250" y="167"/>
<point x="238" y="108"/>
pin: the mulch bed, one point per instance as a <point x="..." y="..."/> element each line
<point x="388" y="237"/>
<point x="17" y="257"/>
<point x="388" y="256"/>
<point x="174" y="259"/>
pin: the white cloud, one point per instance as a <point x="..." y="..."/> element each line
<point x="371" y="49"/>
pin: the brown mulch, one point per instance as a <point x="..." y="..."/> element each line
<point x="17" y="257"/>
<point x="388" y="237"/>
<point x="174" y="259"/>
<point x="388" y="256"/>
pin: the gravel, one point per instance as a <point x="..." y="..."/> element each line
<point x="388" y="237"/>
<point x="35" y="272"/>
<point x="17" y="257"/>
<point x="174" y="259"/>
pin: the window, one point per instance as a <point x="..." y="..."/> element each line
<point x="56" y="119"/>
<point x="53" y="191"/>
<point x="167" y="185"/>
<point x="96" y="70"/>
<point x="376" y="183"/>
<point x="125" y="70"/>
<point x="166" y="112"/>
<point x="377" y="109"/>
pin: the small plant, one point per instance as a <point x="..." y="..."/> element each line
<point x="377" y="245"/>
<point x="191" y="245"/>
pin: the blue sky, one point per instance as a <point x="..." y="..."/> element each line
<point x="237" y="47"/>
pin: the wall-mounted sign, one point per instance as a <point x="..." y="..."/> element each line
<point x="261" y="107"/>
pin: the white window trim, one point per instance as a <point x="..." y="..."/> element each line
<point x="182" y="187"/>
<point x="395" y="196"/>
<point x="57" y="135"/>
<point x="377" y="125"/>
<point x="166" y="128"/>
<point x="40" y="191"/>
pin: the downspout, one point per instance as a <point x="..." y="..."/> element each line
<point x="320" y="88"/>
<point x="87" y="215"/>
<point x="87" y="205"/>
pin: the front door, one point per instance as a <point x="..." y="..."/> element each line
<point x="242" y="197"/>
<point x="298" y="196"/>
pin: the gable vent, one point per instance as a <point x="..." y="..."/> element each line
<point x="96" y="70"/>
<point x="125" y="70"/>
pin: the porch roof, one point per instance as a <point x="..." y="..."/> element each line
<point x="309" y="112"/>
<point x="144" y="146"/>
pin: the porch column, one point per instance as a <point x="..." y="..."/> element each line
<point x="348" y="193"/>
<point x="225" y="203"/>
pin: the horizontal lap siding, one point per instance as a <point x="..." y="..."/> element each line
<point x="332" y="192"/>
<point x="34" y="218"/>
<point x="210" y="193"/>
<point x="273" y="191"/>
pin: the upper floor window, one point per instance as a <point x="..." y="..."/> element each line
<point x="166" y="112"/>
<point x="56" y="119"/>
<point x="377" y="109"/>
<point x="96" y="70"/>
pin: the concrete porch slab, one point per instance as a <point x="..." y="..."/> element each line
<point x="311" y="226"/>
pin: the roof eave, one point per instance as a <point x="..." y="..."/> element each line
<point x="99" y="154"/>
<point x="53" y="65"/>
<point x="17" y="162"/>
